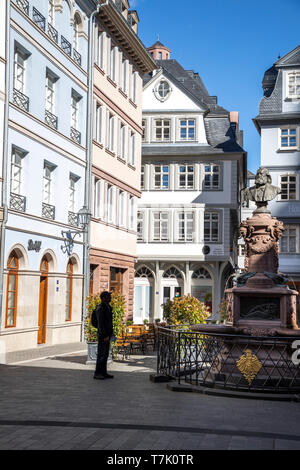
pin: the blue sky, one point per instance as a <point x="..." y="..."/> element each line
<point x="231" y="43"/>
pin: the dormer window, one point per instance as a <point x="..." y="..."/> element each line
<point x="162" y="90"/>
<point x="293" y="84"/>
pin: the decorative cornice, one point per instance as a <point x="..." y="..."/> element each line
<point x="117" y="26"/>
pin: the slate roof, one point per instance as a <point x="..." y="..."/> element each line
<point x="219" y="133"/>
<point x="189" y="82"/>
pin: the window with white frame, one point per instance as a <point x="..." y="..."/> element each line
<point x="124" y="76"/>
<point x="212" y="175"/>
<point x="110" y="206"/>
<point x="289" y="187"/>
<point x="72" y="192"/>
<point x="50" y="87"/>
<point x="16" y="171"/>
<point x="211" y="227"/>
<point x="98" y="202"/>
<point x="186" y="177"/>
<point x="131" y="213"/>
<point x="122" y="140"/>
<point x="289" y="242"/>
<point x="162" y="130"/>
<point x="135" y="77"/>
<point x="160" y="224"/>
<point x="185" y="226"/>
<point x="288" y="138"/>
<point x="293" y="84"/>
<point x="98" y="122"/>
<point x="140" y="226"/>
<point x="47" y="183"/>
<point x="161" y="176"/>
<point x="132" y="149"/>
<point x="113" y="63"/>
<point x="19" y="70"/>
<point x="122" y="208"/>
<point x="74" y="110"/>
<point x="187" y="129"/>
<point x="111" y="132"/>
<point x="100" y="49"/>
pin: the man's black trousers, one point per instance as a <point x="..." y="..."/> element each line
<point x="102" y="356"/>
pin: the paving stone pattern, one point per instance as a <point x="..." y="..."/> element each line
<point x="55" y="404"/>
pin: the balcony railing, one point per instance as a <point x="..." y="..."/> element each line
<point x="20" y="100"/>
<point x="51" y="119"/>
<point x="66" y="46"/>
<point x="48" y="211"/>
<point x="52" y="33"/>
<point x="24" y="5"/>
<point x="73" y="218"/>
<point x="39" y="19"/>
<point x="17" y="202"/>
<point x="77" y="57"/>
<point x="75" y="135"/>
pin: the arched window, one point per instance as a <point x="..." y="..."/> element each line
<point x="201" y="273"/>
<point x="172" y="273"/>
<point x="69" y="291"/>
<point x="12" y="290"/>
<point x="143" y="272"/>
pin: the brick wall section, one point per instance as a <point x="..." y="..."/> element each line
<point x="104" y="260"/>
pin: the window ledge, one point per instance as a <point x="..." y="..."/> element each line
<point x="288" y="99"/>
<point x="122" y="160"/>
<point x="99" y="68"/>
<point x="131" y="166"/>
<point x="123" y="93"/>
<point x="288" y="150"/>
<point x="98" y="144"/>
<point x="113" y="83"/>
<point x="112" y="154"/>
<point x="132" y="103"/>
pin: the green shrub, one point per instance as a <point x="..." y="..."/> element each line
<point x="222" y="311"/>
<point x="185" y="310"/>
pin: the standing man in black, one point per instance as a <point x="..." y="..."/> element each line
<point x="105" y="331"/>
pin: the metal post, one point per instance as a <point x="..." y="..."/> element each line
<point x="87" y="197"/>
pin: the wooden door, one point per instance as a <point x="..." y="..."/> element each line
<point x="43" y="302"/>
<point x="116" y="280"/>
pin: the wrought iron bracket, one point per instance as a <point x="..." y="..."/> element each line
<point x="69" y="237"/>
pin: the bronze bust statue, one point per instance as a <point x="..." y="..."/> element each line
<point x="262" y="192"/>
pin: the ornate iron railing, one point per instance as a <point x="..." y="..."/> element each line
<point x="24" y="5"/>
<point x="66" y="46"/>
<point x="52" y="33"/>
<point x="39" y="19"/>
<point x="77" y="57"/>
<point x="20" y="100"/>
<point x="73" y="218"/>
<point x="48" y="211"/>
<point x="233" y="362"/>
<point x="17" y="202"/>
<point x="75" y="135"/>
<point x="51" y="119"/>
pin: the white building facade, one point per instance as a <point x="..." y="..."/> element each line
<point x="192" y="170"/>
<point x="45" y="177"/>
<point x="278" y="123"/>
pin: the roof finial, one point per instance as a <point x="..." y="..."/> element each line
<point x="158" y="36"/>
<point x="279" y="56"/>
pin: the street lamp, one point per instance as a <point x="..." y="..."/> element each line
<point x="83" y="220"/>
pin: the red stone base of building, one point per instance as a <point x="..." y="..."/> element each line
<point x="113" y="272"/>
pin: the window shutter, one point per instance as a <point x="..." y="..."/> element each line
<point x="96" y="44"/>
<point x="107" y="54"/>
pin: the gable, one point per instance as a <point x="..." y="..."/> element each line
<point x="290" y="59"/>
<point x="176" y="100"/>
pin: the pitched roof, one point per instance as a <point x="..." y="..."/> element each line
<point x="190" y="82"/>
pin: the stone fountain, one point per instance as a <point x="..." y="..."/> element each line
<point x="260" y="305"/>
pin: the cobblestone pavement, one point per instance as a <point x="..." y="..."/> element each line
<point x="55" y="403"/>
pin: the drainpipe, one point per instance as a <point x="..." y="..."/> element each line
<point x="5" y="155"/>
<point x="88" y="174"/>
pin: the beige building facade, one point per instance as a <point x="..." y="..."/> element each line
<point x="120" y="61"/>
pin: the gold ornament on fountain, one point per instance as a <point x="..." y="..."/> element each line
<point x="249" y="365"/>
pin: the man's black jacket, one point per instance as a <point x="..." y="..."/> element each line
<point x="104" y="317"/>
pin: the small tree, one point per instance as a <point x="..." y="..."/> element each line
<point x="223" y="310"/>
<point x="185" y="310"/>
